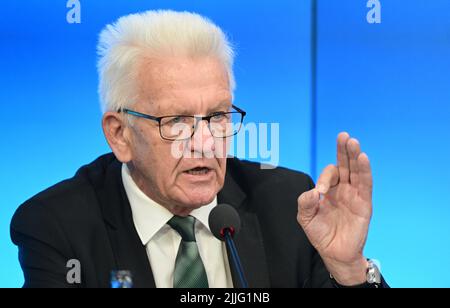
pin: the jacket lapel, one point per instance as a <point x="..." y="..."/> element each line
<point x="129" y="252"/>
<point x="248" y="242"/>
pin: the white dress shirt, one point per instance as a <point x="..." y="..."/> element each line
<point x="162" y="242"/>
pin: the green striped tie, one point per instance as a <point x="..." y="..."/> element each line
<point x="189" y="270"/>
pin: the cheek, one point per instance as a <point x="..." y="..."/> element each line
<point x="221" y="148"/>
<point x="221" y="151"/>
<point x="154" y="156"/>
<point x="164" y="163"/>
<point x="221" y="171"/>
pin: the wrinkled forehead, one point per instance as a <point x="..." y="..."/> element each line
<point x="182" y="85"/>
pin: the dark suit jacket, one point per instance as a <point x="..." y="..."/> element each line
<point x="88" y="218"/>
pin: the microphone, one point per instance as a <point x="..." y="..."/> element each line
<point x="224" y="223"/>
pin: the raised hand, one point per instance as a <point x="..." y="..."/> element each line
<point x="335" y="215"/>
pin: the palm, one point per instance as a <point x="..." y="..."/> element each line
<point x="340" y="227"/>
<point x="337" y="223"/>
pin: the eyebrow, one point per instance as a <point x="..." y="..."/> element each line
<point x="226" y="104"/>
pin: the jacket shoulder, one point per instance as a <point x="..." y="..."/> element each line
<point x="254" y="176"/>
<point x="70" y="200"/>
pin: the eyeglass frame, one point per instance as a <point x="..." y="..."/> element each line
<point x="197" y="118"/>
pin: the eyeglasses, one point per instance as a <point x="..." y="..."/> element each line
<point x="183" y="127"/>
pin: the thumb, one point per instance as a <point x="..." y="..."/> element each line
<point x="308" y="206"/>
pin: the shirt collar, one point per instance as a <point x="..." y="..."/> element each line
<point x="149" y="216"/>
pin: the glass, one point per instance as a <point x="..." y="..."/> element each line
<point x="182" y="127"/>
<point x="121" y="280"/>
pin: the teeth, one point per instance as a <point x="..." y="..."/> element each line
<point x="198" y="171"/>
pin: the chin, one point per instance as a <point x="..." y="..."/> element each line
<point x="201" y="201"/>
<point x="196" y="198"/>
<point x="194" y="193"/>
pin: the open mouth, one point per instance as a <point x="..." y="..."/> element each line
<point x="198" y="171"/>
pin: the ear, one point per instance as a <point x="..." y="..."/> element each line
<point x="117" y="135"/>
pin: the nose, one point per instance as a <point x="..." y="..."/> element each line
<point x="202" y="142"/>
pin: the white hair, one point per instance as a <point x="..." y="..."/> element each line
<point x="158" y="34"/>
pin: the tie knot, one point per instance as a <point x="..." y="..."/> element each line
<point x="184" y="226"/>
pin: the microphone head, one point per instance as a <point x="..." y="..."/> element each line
<point x="223" y="217"/>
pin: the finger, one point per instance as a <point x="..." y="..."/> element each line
<point x="308" y="206"/>
<point x="328" y="179"/>
<point x="342" y="157"/>
<point x="365" y="186"/>
<point x="353" y="150"/>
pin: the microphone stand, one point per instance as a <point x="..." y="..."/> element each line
<point x="235" y="257"/>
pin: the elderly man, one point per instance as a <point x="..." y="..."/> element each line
<point x="166" y="86"/>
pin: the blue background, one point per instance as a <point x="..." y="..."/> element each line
<point x="387" y="84"/>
